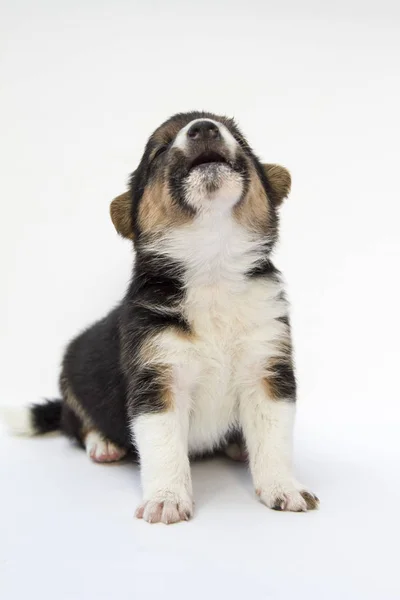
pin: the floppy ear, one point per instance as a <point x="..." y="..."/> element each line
<point x="120" y="211"/>
<point x="280" y="181"/>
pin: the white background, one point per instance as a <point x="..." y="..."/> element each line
<point x="315" y="86"/>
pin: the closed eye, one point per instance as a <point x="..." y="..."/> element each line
<point x="159" y="151"/>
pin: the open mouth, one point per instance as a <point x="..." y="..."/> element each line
<point x="208" y="157"/>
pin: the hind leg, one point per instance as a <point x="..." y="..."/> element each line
<point x="101" y="450"/>
<point x="236" y="448"/>
<point x="80" y="428"/>
<point x="236" y="452"/>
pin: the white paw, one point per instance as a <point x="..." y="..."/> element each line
<point x="166" y="508"/>
<point x="286" y="495"/>
<point x="101" y="450"/>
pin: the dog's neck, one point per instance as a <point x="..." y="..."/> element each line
<point x="212" y="248"/>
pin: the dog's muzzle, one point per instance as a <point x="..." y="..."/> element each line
<point x="205" y="142"/>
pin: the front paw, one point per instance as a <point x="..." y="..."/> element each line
<point x="286" y="495"/>
<point x="166" y="507"/>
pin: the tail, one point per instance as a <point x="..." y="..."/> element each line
<point x="34" y="419"/>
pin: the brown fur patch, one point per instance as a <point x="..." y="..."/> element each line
<point x="167" y="397"/>
<point x="162" y="375"/>
<point x="158" y="211"/>
<point x="120" y="211"/>
<point x="154" y="350"/>
<point x="153" y="358"/>
<point x="269" y="388"/>
<point x="72" y="401"/>
<point x="279" y="382"/>
<point x="252" y="212"/>
<point x="280" y="181"/>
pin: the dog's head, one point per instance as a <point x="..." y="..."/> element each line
<point x="198" y="163"/>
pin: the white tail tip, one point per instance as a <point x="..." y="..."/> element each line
<point x="18" y="420"/>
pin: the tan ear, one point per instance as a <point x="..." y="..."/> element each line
<point x="280" y="181"/>
<point x="120" y="211"/>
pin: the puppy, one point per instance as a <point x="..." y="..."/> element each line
<point x="198" y="355"/>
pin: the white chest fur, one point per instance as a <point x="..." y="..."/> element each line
<point x="235" y="332"/>
<point x="233" y="319"/>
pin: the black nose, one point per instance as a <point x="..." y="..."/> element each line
<point x="203" y="131"/>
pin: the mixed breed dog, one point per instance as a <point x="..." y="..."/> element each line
<point x="197" y="357"/>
